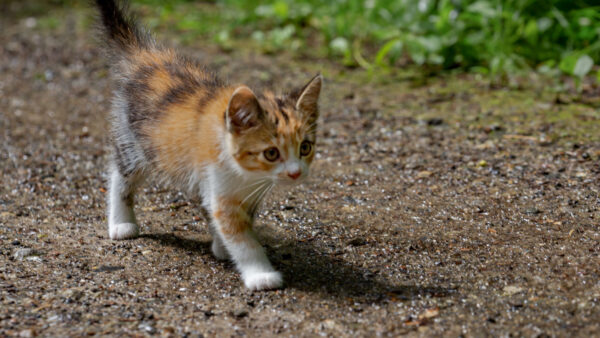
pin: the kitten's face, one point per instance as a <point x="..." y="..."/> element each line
<point x="274" y="137"/>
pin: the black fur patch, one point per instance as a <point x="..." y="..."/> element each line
<point x="281" y="105"/>
<point x="177" y="94"/>
<point x="188" y="83"/>
<point x="208" y="96"/>
<point x="138" y="108"/>
<point x="121" y="28"/>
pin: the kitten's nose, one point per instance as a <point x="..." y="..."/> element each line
<point x="294" y="175"/>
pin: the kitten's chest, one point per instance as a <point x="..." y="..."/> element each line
<point x="225" y="183"/>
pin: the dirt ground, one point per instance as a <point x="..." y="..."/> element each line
<point x="438" y="208"/>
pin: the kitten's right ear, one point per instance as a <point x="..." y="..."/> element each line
<point x="243" y="110"/>
<point x="309" y="97"/>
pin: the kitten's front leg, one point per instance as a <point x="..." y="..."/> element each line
<point x="233" y="225"/>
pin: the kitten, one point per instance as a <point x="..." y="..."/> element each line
<point x="176" y="121"/>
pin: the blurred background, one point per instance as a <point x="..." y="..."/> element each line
<point x="499" y="39"/>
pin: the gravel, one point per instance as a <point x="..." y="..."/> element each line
<point x="481" y="221"/>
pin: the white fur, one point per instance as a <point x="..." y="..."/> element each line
<point x="245" y="250"/>
<point x="121" y="218"/>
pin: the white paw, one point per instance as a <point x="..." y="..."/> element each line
<point x="123" y="231"/>
<point x="263" y="280"/>
<point x="219" y="251"/>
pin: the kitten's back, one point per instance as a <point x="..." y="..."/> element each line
<point x="169" y="110"/>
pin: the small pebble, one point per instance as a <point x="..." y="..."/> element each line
<point x="74" y="294"/>
<point x="27" y="333"/>
<point x="240" y="313"/>
<point x="108" y="268"/>
<point x="512" y="289"/>
<point x="20" y="254"/>
<point x="532" y="211"/>
<point x="424" y="174"/>
<point x="147" y="327"/>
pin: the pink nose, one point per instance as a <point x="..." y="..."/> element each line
<point x="294" y="175"/>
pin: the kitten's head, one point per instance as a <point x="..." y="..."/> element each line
<point x="274" y="137"/>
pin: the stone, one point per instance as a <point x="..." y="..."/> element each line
<point x="23" y="253"/>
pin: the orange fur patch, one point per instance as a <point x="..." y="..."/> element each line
<point x="188" y="126"/>
<point x="233" y="219"/>
<point x="188" y="134"/>
<point x="160" y="82"/>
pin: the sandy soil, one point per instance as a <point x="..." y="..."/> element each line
<point x="440" y="209"/>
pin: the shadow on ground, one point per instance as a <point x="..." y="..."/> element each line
<point x="307" y="269"/>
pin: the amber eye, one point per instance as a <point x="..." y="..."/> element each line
<point x="271" y="154"/>
<point x="305" y="148"/>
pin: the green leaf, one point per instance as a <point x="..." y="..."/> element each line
<point x="258" y="36"/>
<point x="415" y="50"/>
<point x="531" y="30"/>
<point x="583" y="66"/>
<point x="280" y="36"/>
<point x="567" y="63"/>
<point x="435" y="59"/>
<point x="264" y="11"/>
<point x="339" y="45"/>
<point x="544" y="23"/>
<point x="385" y="50"/>
<point x="484" y="8"/>
<point x="431" y="44"/>
<point x="497" y="65"/>
<point x="281" y="9"/>
<point x="480" y="70"/>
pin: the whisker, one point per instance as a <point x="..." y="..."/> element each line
<point x="254" y="206"/>
<point x="254" y="192"/>
<point x="263" y="180"/>
<point x="259" y="199"/>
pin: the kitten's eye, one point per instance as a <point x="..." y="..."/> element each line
<point x="305" y="148"/>
<point x="271" y="154"/>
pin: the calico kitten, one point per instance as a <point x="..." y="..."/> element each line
<point x="176" y="121"/>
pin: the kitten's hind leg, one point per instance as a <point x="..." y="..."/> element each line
<point x="121" y="218"/>
<point x="218" y="247"/>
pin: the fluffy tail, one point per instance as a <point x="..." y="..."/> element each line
<point x="121" y="30"/>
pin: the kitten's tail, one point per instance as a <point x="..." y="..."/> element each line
<point x="122" y="32"/>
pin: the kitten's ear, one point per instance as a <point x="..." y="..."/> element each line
<point x="243" y="111"/>
<point x="309" y="96"/>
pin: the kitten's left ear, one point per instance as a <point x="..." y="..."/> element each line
<point x="309" y="96"/>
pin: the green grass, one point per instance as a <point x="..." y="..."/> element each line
<point x="497" y="38"/>
<point x="494" y="37"/>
